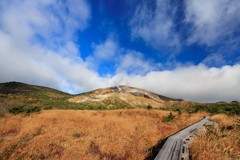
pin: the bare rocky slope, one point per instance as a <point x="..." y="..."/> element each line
<point x="133" y="96"/>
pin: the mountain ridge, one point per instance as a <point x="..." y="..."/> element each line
<point x="21" y="95"/>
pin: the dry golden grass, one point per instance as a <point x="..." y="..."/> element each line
<point x="70" y="134"/>
<point x="222" y="143"/>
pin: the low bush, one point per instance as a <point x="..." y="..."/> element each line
<point x="149" y="107"/>
<point x="32" y="109"/>
<point x="22" y="109"/>
<point x="216" y="108"/>
<point x="48" y="108"/>
<point x="179" y="111"/>
<point x="169" y="118"/>
<point x="16" y="110"/>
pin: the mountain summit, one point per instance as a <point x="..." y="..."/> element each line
<point x="135" y="97"/>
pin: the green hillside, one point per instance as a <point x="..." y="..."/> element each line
<point x="15" y="94"/>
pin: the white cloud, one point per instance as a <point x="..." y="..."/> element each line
<point x="31" y="20"/>
<point x="104" y="54"/>
<point x="135" y="63"/>
<point x="26" y="58"/>
<point x="45" y="67"/>
<point x="197" y="83"/>
<point x="155" y="26"/>
<point x="212" y="20"/>
<point x="106" y="51"/>
<point x="215" y="59"/>
<point x="125" y="61"/>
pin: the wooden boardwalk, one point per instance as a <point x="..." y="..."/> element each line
<point x="176" y="146"/>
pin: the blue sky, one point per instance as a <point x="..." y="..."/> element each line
<point x="186" y="49"/>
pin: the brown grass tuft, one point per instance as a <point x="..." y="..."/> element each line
<point x="219" y="143"/>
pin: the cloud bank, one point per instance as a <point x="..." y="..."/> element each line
<point x="197" y="83"/>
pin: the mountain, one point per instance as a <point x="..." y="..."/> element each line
<point x="134" y="97"/>
<point x="19" y="97"/>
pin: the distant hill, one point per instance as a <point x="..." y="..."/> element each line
<point x="18" y="87"/>
<point x="16" y="94"/>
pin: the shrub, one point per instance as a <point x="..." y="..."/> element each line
<point x="169" y="118"/>
<point x="16" y="110"/>
<point x="48" y="108"/>
<point x="21" y="109"/>
<point x="32" y="109"/>
<point x="179" y="111"/>
<point x="149" y="107"/>
<point x="213" y="109"/>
